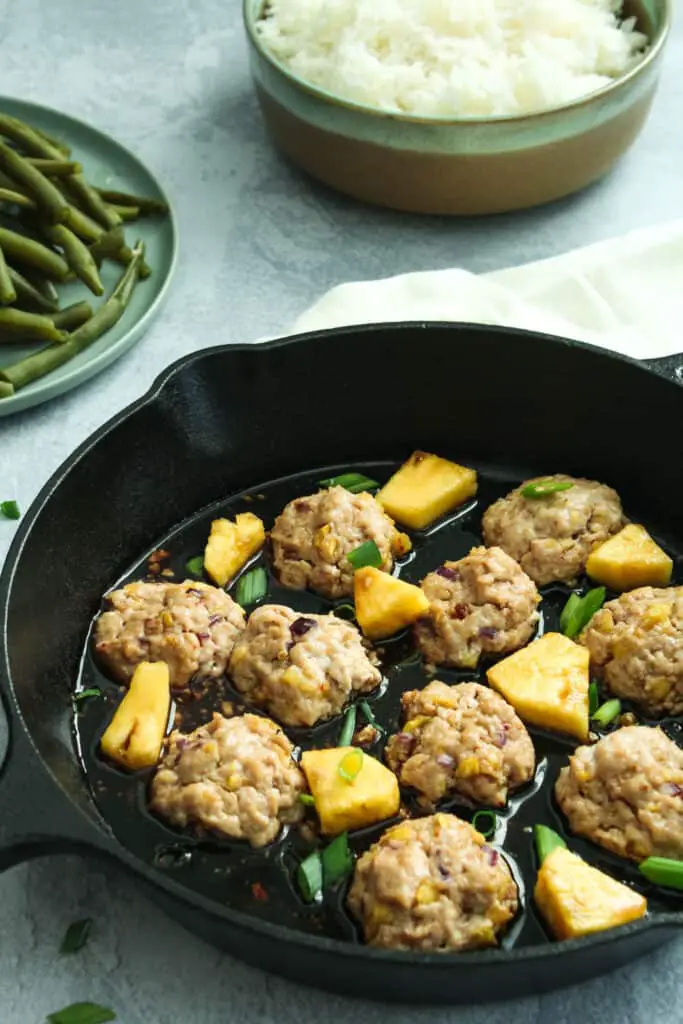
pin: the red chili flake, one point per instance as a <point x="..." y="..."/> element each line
<point x="259" y="893"/>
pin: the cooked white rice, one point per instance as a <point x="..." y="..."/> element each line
<point x="453" y="57"/>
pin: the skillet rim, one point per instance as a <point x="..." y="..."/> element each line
<point x="104" y="841"/>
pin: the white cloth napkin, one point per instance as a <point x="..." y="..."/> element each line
<point x="624" y="294"/>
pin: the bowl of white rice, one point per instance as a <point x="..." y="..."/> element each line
<point x="456" y="106"/>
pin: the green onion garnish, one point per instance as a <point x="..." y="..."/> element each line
<point x="546" y="841"/>
<point x="368" y="715"/>
<point x="82" y="1013"/>
<point x="543" y="488"/>
<point x="578" y="611"/>
<point x="93" y="691"/>
<point x="593" y="699"/>
<point x="367" y="554"/>
<point x="345" y="611"/>
<point x="354" y="482"/>
<point x="76" y="936"/>
<point x="348" y="728"/>
<point x="663" y="871"/>
<point x="195" y="566"/>
<point x="485" y="822"/>
<point x="337" y="859"/>
<point x="252" y="587"/>
<point x="10" y="509"/>
<point x="310" y="877"/>
<point x="607" y="712"/>
<point x="307" y="799"/>
<point x="350" y="765"/>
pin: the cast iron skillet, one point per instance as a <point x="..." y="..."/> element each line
<point x="228" y="419"/>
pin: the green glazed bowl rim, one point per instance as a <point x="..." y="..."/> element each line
<point x="249" y="8"/>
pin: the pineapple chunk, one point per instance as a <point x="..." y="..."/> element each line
<point x="231" y="545"/>
<point x="134" y="736"/>
<point x="425" y="488"/>
<point x="630" y="559"/>
<point x="576" y="899"/>
<point x="547" y="684"/>
<point x="385" y="604"/>
<point x="371" y="796"/>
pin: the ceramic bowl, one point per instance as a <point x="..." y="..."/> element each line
<point x="444" y="165"/>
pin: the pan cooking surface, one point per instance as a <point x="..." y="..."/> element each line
<point x="262" y="882"/>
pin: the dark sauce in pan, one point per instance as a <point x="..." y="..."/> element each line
<point x="262" y="882"/>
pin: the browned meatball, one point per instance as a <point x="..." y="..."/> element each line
<point x="301" y="668"/>
<point x="191" y="626"/>
<point x="552" y="537"/>
<point x="636" y="647"/>
<point x="626" y="793"/>
<point x="483" y="603"/>
<point x="432" y="884"/>
<point x="313" y="536"/>
<point x="235" y="776"/>
<point x="464" y="739"/>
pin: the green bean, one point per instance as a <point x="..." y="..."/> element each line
<point x="40" y="188"/>
<point x="26" y="251"/>
<point x="55" y="168"/>
<point x="6" y="389"/>
<point x="28" y="293"/>
<point x="56" y="143"/>
<point x="77" y="255"/>
<point x="8" y="195"/>
<point x="108" y="245"/>
<point x="83" y="225"/>
<point x="144" y="205"/>
<point x="71" y="317"/>
<point x="90" y="202"/>
<point x="47" y="359"/>
<point x="17" y="325"/>
<point x="126" y="213"/>
<point x="43" y="285"/>
<point x="8" y="292"/>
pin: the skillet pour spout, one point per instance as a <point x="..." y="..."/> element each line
<point x="224" y="420"/>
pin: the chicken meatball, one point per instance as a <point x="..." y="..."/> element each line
<point x="432" y="884"/>
<point x="551" y="537"/>
<point x="626" y="793"/>
<point x="234" y="776"/>
<point x="483" y="603"/>
<point x="313" y="536"/>
<point x="636" y="647"/>
<point x="465" y="740"/>
<point x="191" y="626"/>
<point x="301" y="668"/>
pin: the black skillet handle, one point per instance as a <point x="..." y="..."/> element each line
<point x="36" y="817"/>
<point x="668" y="366"/>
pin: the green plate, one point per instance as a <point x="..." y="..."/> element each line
<point x="106" y="164"/>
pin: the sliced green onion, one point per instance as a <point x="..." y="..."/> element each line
<point x="348" y="728"/>
<point x="307" y="799"/>
<point x="345" y="611"/>
<point x="607" y="712"/>
<point x="350" y="765"/>
<point x="543" y="488"/>
<point x="485" y="822"/>
<point x="577" y="613"/>
<point x="10" y="509"/>
<point x="337" y="859"/>
<point x="195" y="566"/>
<point x="367" y="554"/>
<point x="93" y="691"/>
<point x="593" y="699"/>
<point x="368" y="715"/>
<point x="310" y="877"/>
<point x="354" y="482"/>
<point x="663" y="871"/>
<point x="82" y="1013"/>
<point x="252" y="587"/>
<point x="76" y="936"/>
<point x="546" y="841"/>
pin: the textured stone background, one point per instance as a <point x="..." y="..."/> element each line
<point x="259" y="244"/>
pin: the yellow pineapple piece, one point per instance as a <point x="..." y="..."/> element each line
<point x="385" y="604"/>
<point x="547" y="684"/>
<point x="342" y="803"/>
<point x="630" y="559"/>
<point x="135" y="734"/>
<point x="231" y="545"/>
<point x="425" y="488"/>
<point x="576" y="899"/>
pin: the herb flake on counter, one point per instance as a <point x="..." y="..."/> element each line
<point x="10" y="509"/>
<point x="76" y="936"/>
<point x="82" y="1013"/>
